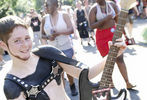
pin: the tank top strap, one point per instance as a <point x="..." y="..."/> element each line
<point x="112" y="11"/>
<point x="100" y="15"/>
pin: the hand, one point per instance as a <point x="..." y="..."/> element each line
<point x="120" y="43"/>
<point x="51" y="38"/>
<point x="110" y="16"/>
<point x="55" y="35"/>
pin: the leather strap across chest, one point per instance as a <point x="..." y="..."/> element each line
<point x="32" y="91"/>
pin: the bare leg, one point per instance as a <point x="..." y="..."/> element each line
<point x="72" y="84"/>
<point x="122" y="68"/>
<point x="130" y="27"/>
<point x="70" y="79"/>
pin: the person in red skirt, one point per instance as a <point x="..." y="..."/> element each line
<point x="103" y="17"/>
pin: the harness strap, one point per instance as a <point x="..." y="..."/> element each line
<point x="32" y="91"/>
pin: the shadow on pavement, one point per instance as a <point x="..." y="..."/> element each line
<point x="91" y="48"/>
<point x="133" y="94"/>
<point x="142" y="44"/>
<point x="131" y="51"/>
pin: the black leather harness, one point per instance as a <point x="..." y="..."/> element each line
<point x="32" y="91"/>
<point x="47" y="52"/>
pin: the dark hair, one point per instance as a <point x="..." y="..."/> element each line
<point x="7" y="24"/>
<point x="53" y="1"/>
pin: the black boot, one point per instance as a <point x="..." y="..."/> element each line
<point x="73" y="90"/>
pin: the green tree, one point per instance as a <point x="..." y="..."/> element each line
<point x="5" y="7"/>
<point x="38" y="4"/>
<point x="23" y="6"/>
<point x="17" y="7"/>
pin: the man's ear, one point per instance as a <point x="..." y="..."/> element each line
<point x="3" y="45"/>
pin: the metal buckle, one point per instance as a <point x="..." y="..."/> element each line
<point x="33" y="91"/>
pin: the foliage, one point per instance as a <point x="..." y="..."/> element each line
<point x="38" y="4"/>
<point x="23" y="7"/>
<point x="67" y="2"/>
<point x="6" y="7"/>
<point x="145" y="34"/>
<point x="17" y="7"/>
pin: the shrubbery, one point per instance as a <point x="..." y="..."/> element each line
<point x="145" y="34"/>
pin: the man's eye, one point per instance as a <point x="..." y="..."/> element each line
<point x="28" y="38"/>
<point x="17" y="41"/>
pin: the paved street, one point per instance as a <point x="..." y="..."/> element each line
<point x="135" y="58"/>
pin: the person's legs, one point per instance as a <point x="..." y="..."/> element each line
<point x="86" y="33"/>
<point x="70" y="53"/>
<point x="122" y="68"/>
<point x="2" y="62"/>
<point x="92" y="35"/>
<point x="144" y="8"/>
<point x="129" y="25"/>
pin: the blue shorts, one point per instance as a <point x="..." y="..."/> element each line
<point x="69" y="52"/>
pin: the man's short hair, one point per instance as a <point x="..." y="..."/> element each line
<point x="7" y="24"/>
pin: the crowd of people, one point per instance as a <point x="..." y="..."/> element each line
<point x="52" y="33"/>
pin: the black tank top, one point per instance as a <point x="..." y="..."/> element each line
<point x="81" y="16"/>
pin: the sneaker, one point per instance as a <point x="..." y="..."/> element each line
<point x="89" y="44"/>
<point x="73" y="90"/>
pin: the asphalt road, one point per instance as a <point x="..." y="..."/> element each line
<point x="135" y="59"/>
<point x="134" y="56"/>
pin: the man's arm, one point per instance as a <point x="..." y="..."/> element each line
<point x="43" y="35"/>
<point x="94" y="70"/>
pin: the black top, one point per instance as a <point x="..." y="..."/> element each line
<point x="48" y="60"/>
<point x="81" y="16"/>
<point x="35" y="24"/>
<point x="43" y="70"/>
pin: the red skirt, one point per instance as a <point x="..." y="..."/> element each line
<point x="102" y="38"/>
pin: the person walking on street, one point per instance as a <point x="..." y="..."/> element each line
<point x="34" y="75"/>
<point x="56" y="30"/>
<point x="35" y="23"/>
<point x="81" y="22"/>
<point x="87" y="9"/>
<point x="103" y="17"/>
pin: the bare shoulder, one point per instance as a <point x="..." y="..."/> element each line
<point x="93" y="7"/>
<point x="112" y="3"/>
<point x="65" y="14"/>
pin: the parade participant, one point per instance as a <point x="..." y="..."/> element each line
<point x="35" y="23"/>
<point x="56" y="30"/>
<point x="103" y="17"/>
<point x="87" y="8"/>
<point x="34" y="75"/>
<point x="145" y="9"/>
<point x="81" y="22"/>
